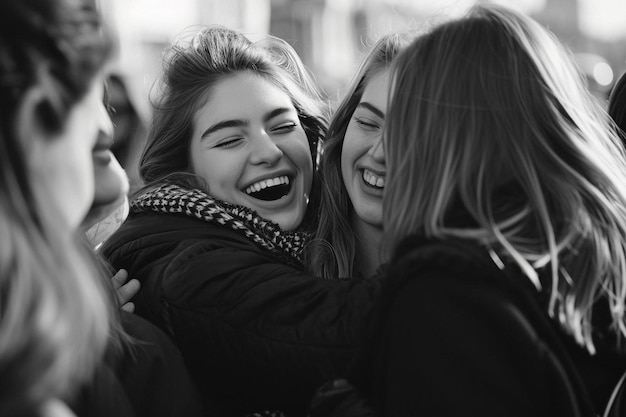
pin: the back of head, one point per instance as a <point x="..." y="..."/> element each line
<point x="192" y="68"/>
<point x="492" y="136"/>
<point x="332" y="253"/>
<point x="53" y="315"/>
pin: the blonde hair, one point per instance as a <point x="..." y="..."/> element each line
<point x="55" y="314"/>
<point x="492" y="136"/>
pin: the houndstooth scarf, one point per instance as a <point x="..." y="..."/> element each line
<point x="170" y="198"/>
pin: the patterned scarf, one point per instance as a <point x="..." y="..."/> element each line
<point x="170" y="198"/>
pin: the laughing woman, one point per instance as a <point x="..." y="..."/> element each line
<point x="353" y="171"/>
<point x="215" y="237"/>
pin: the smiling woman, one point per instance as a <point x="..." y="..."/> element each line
<point x="216" y="236"/>
<point x="254" y="152"/>
<point x="353" y="171"/>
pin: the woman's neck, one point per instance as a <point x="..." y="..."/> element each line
<point x="368" y="243"/>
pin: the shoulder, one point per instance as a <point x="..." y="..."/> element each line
<point x="449" y="314"/>
<point x="460" y="283"/>
<point x="162" y="234"/>
<point x="152" y="373"/>
<point x="449" y="266"/>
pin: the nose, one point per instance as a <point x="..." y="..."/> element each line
<point x="265" y="150"/>
<point x="105" y="123"/>
<point x="378" y="151"/>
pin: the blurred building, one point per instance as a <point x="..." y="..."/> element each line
<point x="564" y="19"/>
<point x="332" y="35"/>
<point x="145" y="27"/>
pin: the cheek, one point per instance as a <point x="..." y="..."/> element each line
<point x="77" y="153"/>
<point x="110" y="184"/>
<point x="220" y="172"/>
<point x="70" y="185"/>
<point x="352" y="141"/>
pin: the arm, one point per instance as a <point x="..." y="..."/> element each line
<point x="246" y="323"/>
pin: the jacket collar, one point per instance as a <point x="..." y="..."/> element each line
<point x="195" y="203"/>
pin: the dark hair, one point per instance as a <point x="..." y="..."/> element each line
<point x="192" y="68"/>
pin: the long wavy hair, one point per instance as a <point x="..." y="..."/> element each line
<point x="55" y="315"/>
<point x="492" y="136"/>
<point x="192" y="67"/>
<point x="332" y="253"/>
<point x="617" y="105"/>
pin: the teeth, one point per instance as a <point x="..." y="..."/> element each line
<point x="270" y="182"/>
<point x="373" y="179"/>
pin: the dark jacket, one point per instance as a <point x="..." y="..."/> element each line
<point x="256" y="332"/>
<point x="145" y="377"/>
<point x="457" y="336"/>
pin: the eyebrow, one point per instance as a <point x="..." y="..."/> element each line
<point x="223" y="125"/>
<point x="242" y="122"/>
<point x="372" y="108"/>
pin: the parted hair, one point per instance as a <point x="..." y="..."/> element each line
<point x="192" y="66"/>
<point x="54" y="312"/>
<point x="492" y="136"/>
<point x="332" y="253"/>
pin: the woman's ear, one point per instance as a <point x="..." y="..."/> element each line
<point x="36" y="118"/>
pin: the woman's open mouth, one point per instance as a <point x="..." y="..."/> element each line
<point x="270" y="189"/>
<point x="373" y="180"/>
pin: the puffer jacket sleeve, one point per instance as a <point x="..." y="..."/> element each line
<point x="254" y="332"/>
<point x="246" y="323"/>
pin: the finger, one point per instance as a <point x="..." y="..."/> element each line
<point x="127" y="291"/>
<point x="120" y="278"/>
<point x="129" y="307"/>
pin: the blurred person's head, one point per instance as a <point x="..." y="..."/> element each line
<point x="54" y="316"/>
<point x="128" y="122"/>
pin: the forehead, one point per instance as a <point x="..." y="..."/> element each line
<point x="377" y="90"/>
<point x="243" y="96"/>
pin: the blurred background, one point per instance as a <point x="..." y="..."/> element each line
<point x="332" y="35"/>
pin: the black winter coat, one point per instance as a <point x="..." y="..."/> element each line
<point x="256" y="332"/>
<point x="145" y="378"/>
<point x="456" y="336"/>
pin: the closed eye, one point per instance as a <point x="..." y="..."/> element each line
<point x="367" y="124"/>
<point x="229" y="143"/>
<point x="285" y="127"/>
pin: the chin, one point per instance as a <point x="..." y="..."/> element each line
<point x="288" y="223"/>
<point x="108" y="195"/>
<point x="373" y="219"/>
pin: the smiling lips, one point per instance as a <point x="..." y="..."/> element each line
<point x="270" y="189"/>
<point x="372" y="179"/>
